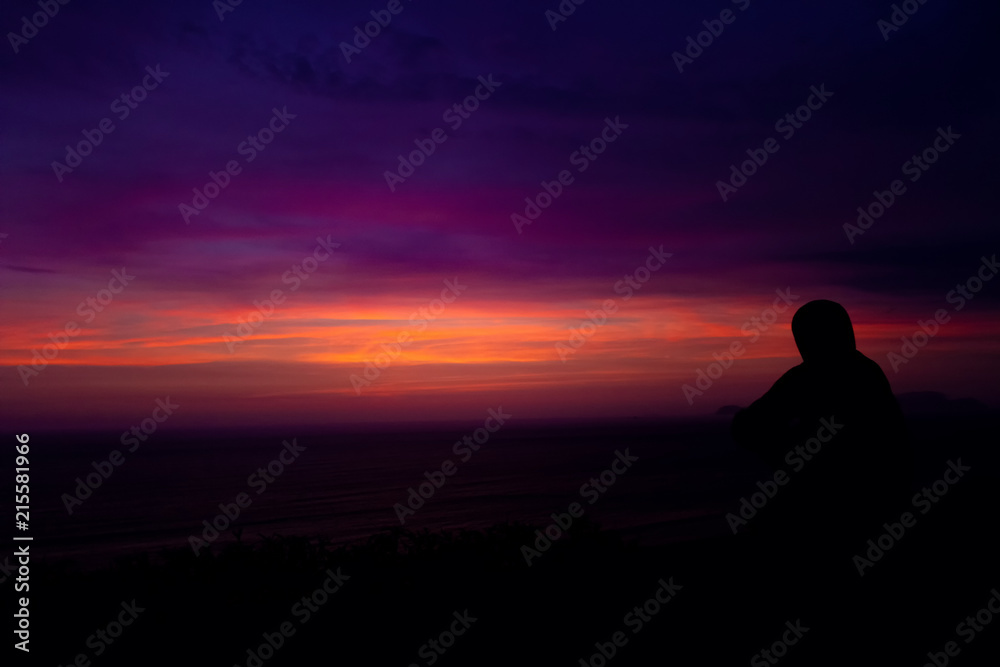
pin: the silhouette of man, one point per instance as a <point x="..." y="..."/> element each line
<point x="833" y="425"/>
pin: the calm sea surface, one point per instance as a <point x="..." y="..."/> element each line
<point x="344" y="485"/>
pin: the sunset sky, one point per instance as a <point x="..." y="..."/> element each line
<point x="343" y="125"/>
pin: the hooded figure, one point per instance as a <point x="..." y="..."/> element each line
<point x="833" y="425"/>
<point x="823" y="332"/>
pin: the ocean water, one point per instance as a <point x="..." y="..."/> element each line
<point x="343" y="486"/>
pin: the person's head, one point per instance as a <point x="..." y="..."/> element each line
<point x="823" y="332"/>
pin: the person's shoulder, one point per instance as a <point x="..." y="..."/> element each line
<point x="793" y="376"/>
<point x="868" y="364"/>
<point x="795" y="372"/>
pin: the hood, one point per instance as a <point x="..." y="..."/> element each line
<point x="823" y="331"/>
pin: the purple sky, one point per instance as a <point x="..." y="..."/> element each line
<point x="324" y="176"/>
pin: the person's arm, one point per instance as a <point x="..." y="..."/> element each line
<point x="764" y="427"/>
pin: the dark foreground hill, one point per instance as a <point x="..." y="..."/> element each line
<point x="469" y="598"/>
